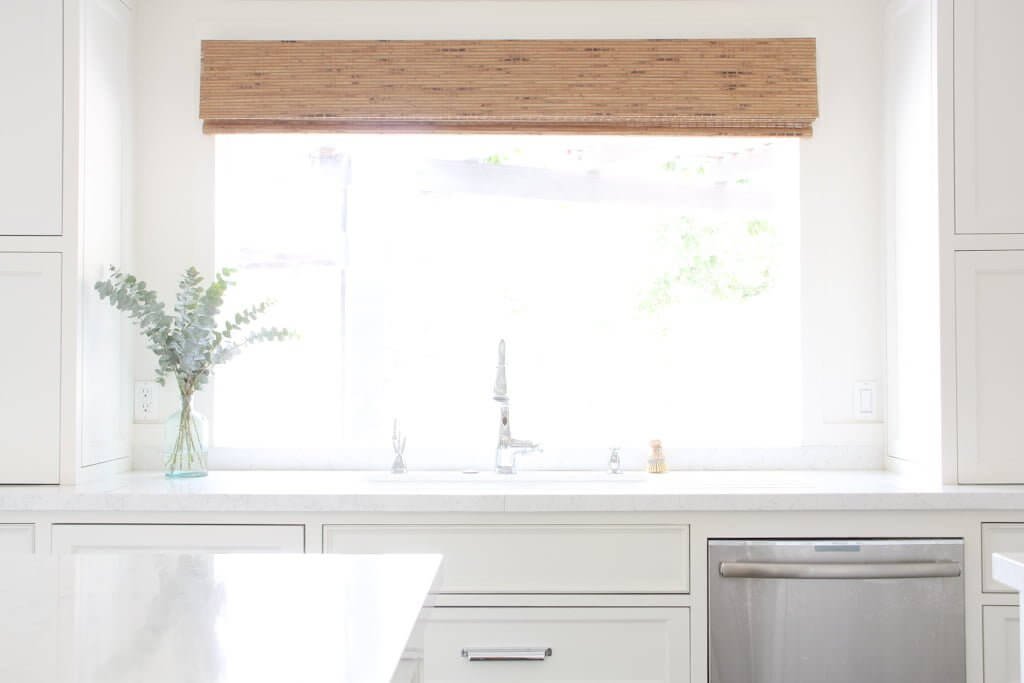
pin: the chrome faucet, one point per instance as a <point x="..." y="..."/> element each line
<point x="509" y="449"/>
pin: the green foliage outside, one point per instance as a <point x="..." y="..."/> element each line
<point x="729" y="262"/>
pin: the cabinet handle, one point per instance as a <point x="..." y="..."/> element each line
<point x="506" y="654"/>
<point x="869" y="570"/>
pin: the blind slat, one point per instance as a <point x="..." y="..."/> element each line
<point x="717" y="87"/>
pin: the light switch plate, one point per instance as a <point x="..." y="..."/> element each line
<point x="865" y="401"/>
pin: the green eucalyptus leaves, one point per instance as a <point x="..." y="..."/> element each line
<point x="188" y="343"/>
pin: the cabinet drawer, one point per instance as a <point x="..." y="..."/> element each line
<point x="535" y="558"/>
<point x="572" y="644"/>
<point x="185" y="538"/>
<point x="17" y="538"/>
<point x="998" y="538"/>
<point x="1001" y="646"/>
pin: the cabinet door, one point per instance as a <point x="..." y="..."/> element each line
<point x="30" y="303"/>
<point x="185" y="538"/>
<point x="31" y="71"/>
<point x="989" y="99"/>
<point x="557" y="644"/>
<point x="990" y="367"/>
<point x="1001" y="644"/>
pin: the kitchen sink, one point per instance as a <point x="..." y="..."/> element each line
<point x="523" y="477"/>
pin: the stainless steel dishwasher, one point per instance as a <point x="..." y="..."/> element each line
<point x="836" y="611"/>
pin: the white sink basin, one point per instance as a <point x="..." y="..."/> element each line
<point x="526" y="477"/>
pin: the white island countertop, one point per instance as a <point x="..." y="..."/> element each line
<point x="350" y="491"/>
<point x="1008" y="568"/>
<point x="213" y="618"/>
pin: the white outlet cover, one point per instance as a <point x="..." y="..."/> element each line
<point x="146" y="409"/>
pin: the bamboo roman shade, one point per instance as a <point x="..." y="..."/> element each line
<point x="686" y="87"/>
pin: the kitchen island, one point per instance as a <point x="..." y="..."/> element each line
<point x="181" y="618"/>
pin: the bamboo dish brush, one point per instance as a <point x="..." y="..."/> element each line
<point x="656" y="461"/>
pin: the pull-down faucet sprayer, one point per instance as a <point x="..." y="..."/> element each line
<point x="508" y="448"/>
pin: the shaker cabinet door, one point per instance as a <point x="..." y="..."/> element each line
<point x="30" y="310"/>
<point x="1001" y="634"/>
<point x="989" y="99"/>
<point x="31" y="71"/>
<point x="990" y="367"/>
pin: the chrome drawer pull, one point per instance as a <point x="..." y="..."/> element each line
<point x="837" y="570"/>
<point x="506" y="654"/>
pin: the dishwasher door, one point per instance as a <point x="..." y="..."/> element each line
<point x="824" y="611"/>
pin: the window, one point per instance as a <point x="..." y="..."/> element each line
<point x="647" y="287"/>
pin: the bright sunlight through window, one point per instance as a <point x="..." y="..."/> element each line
<point x="647" y="287"/>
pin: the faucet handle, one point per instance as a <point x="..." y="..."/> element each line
<point x="398" y="444"/>
<point x="614" y="462"/>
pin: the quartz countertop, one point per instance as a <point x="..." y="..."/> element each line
<point x="1008" y="568"/>
<point x="352" y="491"/>
<point x="214" y="618"/>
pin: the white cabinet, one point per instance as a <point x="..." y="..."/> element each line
<point x="989" y="98"/>
<point x="17" y="538"/>
<point x="570" y="644"/>
<point x="198" y="538"/>
<point x="1001" y="644"/>
<point x="30" y="350"/>
<point x="990" y="367"/>
<point x="31" y="71"/>
<point x="529" y="558"/>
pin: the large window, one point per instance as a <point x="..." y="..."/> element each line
<point x="647" y="287"/>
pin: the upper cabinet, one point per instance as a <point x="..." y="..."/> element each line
<point x="989" y="99"/>
<point x="31" y="71"/>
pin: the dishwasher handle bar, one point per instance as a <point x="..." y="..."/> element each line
<point x="840" y="570"/>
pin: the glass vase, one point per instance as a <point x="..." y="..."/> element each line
<point x="186" y="442"/>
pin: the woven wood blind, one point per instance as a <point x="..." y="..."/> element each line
<point x="697" y="87"/>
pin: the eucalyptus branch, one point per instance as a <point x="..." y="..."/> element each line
<point x="188" y="344"/>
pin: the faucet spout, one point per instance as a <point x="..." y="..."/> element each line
<point x="500" y="382"/>
<point x="508" y="448"/>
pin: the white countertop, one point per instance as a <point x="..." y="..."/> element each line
<point x="211" y="618"/>
<point x="347" y="491"/>
<point x="1008" y="568"/>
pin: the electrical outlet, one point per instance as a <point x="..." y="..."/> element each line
<point x="145" y="401"/>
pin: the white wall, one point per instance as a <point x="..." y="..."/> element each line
<point x="910" y="197"/>
<point x="843" y="300"/>
<point x="105" y="232"/>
